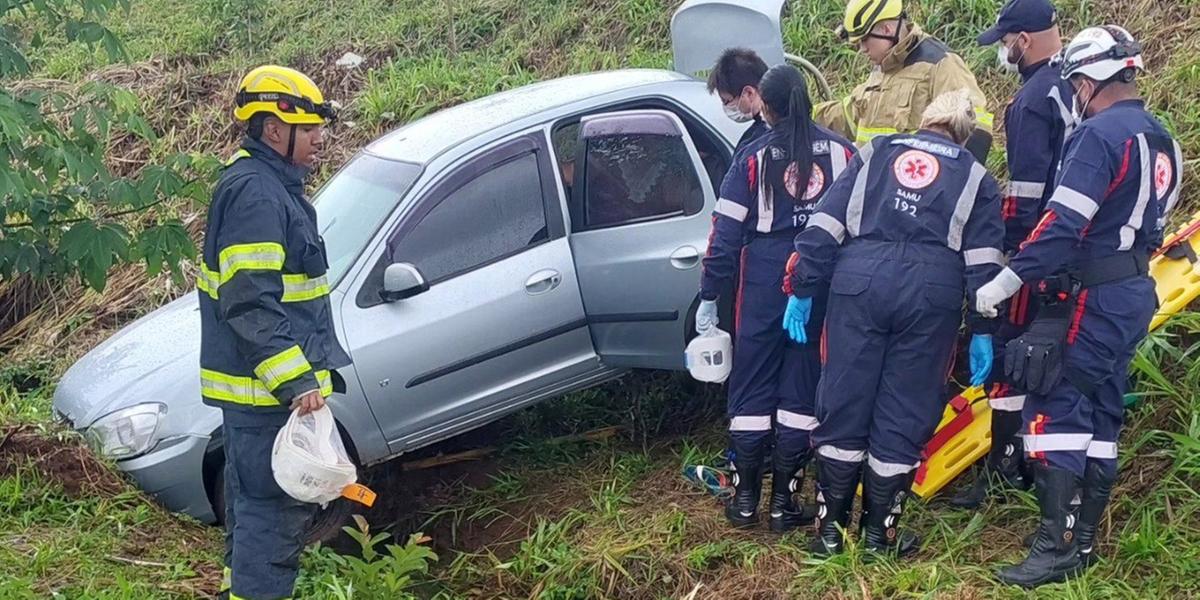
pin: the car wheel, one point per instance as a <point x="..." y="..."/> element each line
<point x="326" y="524"/>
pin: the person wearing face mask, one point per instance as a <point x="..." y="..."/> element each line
<point x="735" y="80"/>
<point x="1036" y="123"/>
<point x="1089" y="254"/>
<point x="910" y="69"/>
<point x="766" y="197"/>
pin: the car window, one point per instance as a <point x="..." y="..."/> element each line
<point x="496" y="214"/>
<point x="637" y="177"/>
<point x="351" y="207"/>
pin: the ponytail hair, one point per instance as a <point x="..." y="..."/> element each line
<point x="785" y="92"/>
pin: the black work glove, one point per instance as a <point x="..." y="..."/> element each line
<point x="1034" y="361"/>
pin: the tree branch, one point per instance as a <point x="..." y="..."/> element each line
<point x="105" y="216"/>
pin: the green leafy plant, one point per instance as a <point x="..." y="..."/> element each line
<point x="379" y="574"/>
<point x="63" y="209"/>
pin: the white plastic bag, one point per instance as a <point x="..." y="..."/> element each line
<point x="309" y="461"/>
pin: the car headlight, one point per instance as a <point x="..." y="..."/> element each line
<point x="128" y="432"/>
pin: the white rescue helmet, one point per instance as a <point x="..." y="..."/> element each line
<point x="1100" y="53"/>
<point x="709" y="357"/>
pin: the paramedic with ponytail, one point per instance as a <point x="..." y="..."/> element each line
<point x="766" y="198"/>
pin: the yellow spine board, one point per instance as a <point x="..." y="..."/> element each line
<point x="1177" y="282"/>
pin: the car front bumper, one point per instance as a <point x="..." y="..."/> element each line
<point x="173" y="473"/>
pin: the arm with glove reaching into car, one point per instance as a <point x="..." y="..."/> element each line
<point x="727" y="237"/>
<point x="1036" y="357"/>
<point x="982" y="240"/>
<point x="815" y="256"/>
<point x="251" y="254"/>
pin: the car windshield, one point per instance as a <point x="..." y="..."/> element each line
<point x="351" y="207"/>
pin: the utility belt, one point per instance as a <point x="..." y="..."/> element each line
<point x="1064" y="287"/>
<point x="1036" y="360"/>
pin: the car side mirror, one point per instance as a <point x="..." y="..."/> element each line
<point x="402" y="280"/>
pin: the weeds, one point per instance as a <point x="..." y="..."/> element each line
<point x="370" y="574"/>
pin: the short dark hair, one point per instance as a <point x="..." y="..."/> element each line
<point x="254" y="128"/>
<point x="736" y="69"/>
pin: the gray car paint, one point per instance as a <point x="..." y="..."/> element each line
<point x="154" y="359"/>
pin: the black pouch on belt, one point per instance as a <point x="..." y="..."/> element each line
<point x="1034" y="360"/>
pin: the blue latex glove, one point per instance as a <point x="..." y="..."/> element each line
<point x="795" y="318"/>
<point x="981" y="358"/>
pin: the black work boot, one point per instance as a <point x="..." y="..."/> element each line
<point x="836" y="484"/>
<point x="1053" y="556"/>
<point x="883" y="504"/>
<point x="787" y="477"/>
<point x="1003" y="466"/>
<point x="1097" y="486"/>
<point x="742" y="509"/>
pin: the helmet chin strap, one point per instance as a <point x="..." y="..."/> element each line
<point x="291" y="143"/>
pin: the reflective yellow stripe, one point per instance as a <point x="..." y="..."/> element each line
<point x="282" y="367"/>
<point x="849" y="118"/>
<point x="240" y="154"/>
<point x="299" y="288"/>
<point x="238" y="390"/>
<point x="866" y="134"/>
<point x="296" y="287"/>
<point x="263" y="255"/>
<point x="233" y="596"/>
<point x="207" y="281"/>
<point x="984" y="118"/>
<point x="325" y="381"/>
<point x="226" y="580"/>
<point x="249" y="391"/>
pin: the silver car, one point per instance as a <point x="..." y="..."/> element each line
<point x="484" y="258"/>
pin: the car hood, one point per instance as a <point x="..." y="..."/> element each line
<point x="154" y="359"/>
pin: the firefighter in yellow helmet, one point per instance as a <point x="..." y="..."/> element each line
<point x="267" y="340"/>
<point x="909" y="69"/>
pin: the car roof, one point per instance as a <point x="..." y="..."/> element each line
<point x="425" y="138"/>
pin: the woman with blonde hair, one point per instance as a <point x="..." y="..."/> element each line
<point x="910" y="229"/>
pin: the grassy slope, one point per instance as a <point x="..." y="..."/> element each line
<point x="608" y="520"/>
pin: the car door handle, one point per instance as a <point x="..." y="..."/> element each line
<point x="543" y="281"/>
<point x="685" y="258"/>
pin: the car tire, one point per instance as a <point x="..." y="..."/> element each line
<point x="326" y="524"/>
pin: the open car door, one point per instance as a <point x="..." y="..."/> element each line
<point x="639" y="226"/>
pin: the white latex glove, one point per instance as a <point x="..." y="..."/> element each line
<point x="992" y="293"/>
<point x="706" y="316"/>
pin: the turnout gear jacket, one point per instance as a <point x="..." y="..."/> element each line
<point x="1119" y="180"/>
<point x="1036" y="125"/>
<point x="266" y="326"/>
<point x="919" y="189"/>
<point x="893" y="98"/>
<point x="750" y="206"/>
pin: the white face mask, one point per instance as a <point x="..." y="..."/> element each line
<point x="1002" y="59"/>
<point x="735" y="114"/>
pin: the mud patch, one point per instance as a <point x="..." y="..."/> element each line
<point x="66" y="463"/>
